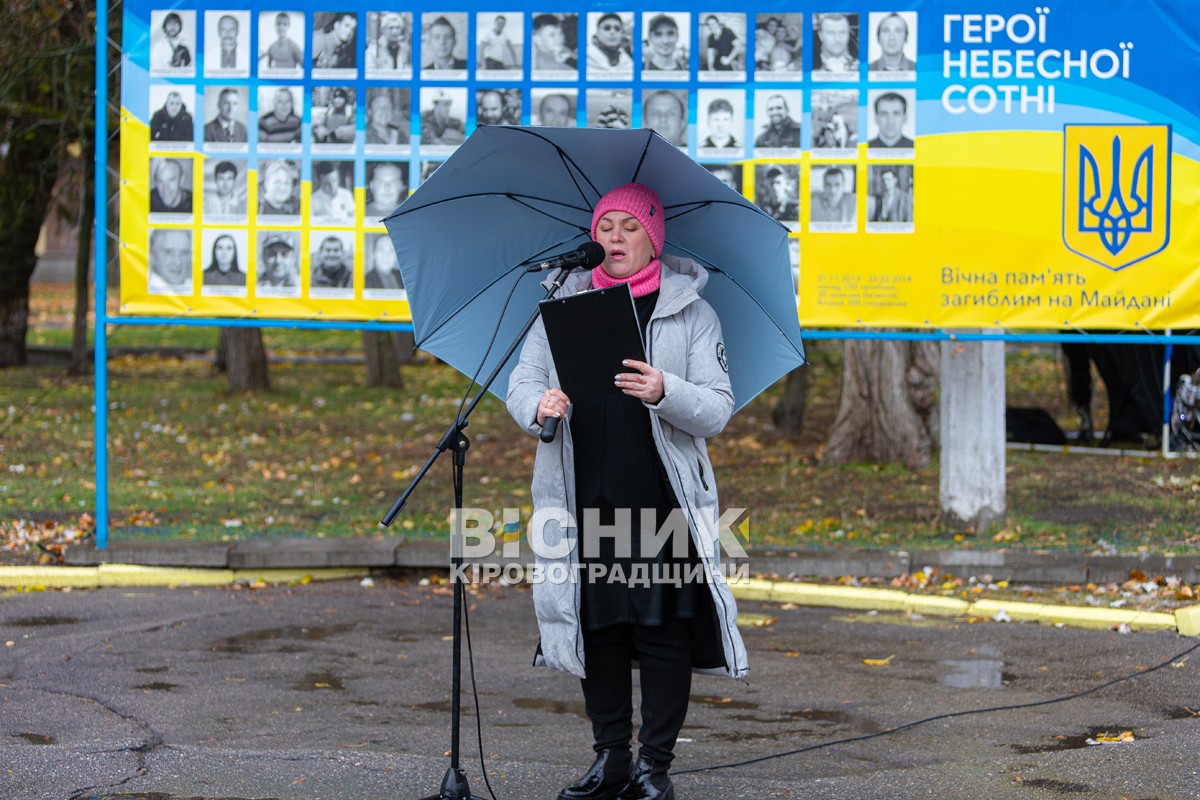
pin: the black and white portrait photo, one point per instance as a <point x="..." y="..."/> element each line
<point x="609" y="108"/>
<point x="331" y="265"/>
<point x="553" y="107"/>
<point x="890" y="198"/>
<point x="173" y="44"/>
<point x="387" y="186"/>
<point x="554" y="47"/>
<point x="779" y="47"/>
<point x="332" y="199"/>
<point x="443" y="118"/>
<point x="728" y="174"/>
<point x="335" y="44"/>
<point x="777" y="192"/>
<point x="609" y="45"/>
<point x="227" y="110"/>
<point x="777" y="122"/>
<point x="227" y="44"/>
<point x="279" y="192"/>
<point x="387" y="119"/>
<point x="225" y="263"/>
<point x="429" y="167"/>
<point x="721" y="122"/>
<point x="891" y="123"/>
<point x="171" y="122"/>
<point x="333" y="118"/>
<point x="723" y="46"/>
<point x="281" y="44"/>
<point x="498" y="106"/>
<point x="892" y="49"/>
<point x="666" y="45"/>
<point x="225" y="190"/>
<point x="835" y="122"/>
<point x="835" y="47"/>
<point x="499" y="45"/>
<point x="170" y="189"/>
<point x="665" y="111"/>
<point x="833" y="204"/>
<point x="389" y="44"/>
<point x="279" y="110"/>
<point x="278" y="268"/>
<point x="444" y="46"/>
<point x="381" y="269"/>
<point x="170" y="262"/>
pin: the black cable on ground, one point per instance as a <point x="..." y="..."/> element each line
<point x="474" y="689"/>
<point x="949" y="715"/>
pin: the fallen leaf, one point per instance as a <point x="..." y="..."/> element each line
<point x="1112" y="738"/>
<point x="878" y="662"/>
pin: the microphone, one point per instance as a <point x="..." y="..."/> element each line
<point x="550" y="429"/>
<point x="587" y="255"/>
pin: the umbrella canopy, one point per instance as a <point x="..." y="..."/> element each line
<point x="514" y="196"/>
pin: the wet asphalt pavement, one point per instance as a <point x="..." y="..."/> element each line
<point x="340" y="692"/>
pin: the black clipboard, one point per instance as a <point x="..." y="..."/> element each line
<point x="590" y="333"/>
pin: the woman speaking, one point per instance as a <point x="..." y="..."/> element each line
<point x="624" y="462"/>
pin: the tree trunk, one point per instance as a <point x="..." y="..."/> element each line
<point x="381" y="349"/>
<point x="14" y="325"/>
<point x="83" y="250"/>
<point x="788" y="413"/>
<point x="245" y="359"/>
<point x="888" y="410"/>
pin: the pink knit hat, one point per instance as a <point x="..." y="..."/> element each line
<point x="641" y="202"/>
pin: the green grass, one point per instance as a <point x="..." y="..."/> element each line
<point x="323" y="455"/>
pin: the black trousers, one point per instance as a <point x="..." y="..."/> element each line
<point x="663" y="653"/>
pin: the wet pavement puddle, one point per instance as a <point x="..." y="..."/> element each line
<point x="1078" y="742"/>
<point x="256" y="641"/>
<point x="318" y="681"/>
<point x="35" y="738"/>
<point x="43" y="622"/>
<point x="980" y="673"/>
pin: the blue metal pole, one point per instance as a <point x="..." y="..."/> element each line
<point x="100" y="270"/>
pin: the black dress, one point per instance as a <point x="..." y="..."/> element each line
<point x="618" y="467"/>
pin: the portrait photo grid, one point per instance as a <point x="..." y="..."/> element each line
<point x="296" y="129"/>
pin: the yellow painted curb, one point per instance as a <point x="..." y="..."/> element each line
<point x="49" y="577"/>
<point x="1015" y="609"/>
<point x="137" y="575"/>
<point x="293" y="575"/>
<point x="1185" y="620"/>
<point x="810" y="594"/>
<point x="1188" y="620"/>
<point x="937" y="606"/>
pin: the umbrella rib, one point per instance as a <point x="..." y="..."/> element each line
<point x="642" y="160"/>
<point x="498" y="278"/>
<point x="562" y="154"/>
<point x="463" y="305"/>
<point x="696" y="206"/>
<point x="753" y="299"/>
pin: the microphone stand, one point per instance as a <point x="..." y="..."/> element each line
<point x="454" y="783"/>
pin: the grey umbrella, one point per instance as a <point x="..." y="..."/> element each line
<point x="511" y="196"/>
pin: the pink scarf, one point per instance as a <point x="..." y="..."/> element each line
<point x="641" y="283"/>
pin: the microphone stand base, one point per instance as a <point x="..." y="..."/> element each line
<point x="454" y="787"/>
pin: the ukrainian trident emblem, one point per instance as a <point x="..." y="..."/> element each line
<point x="1116" y="192"/>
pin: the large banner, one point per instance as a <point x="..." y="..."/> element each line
<point x="941" y="164"/>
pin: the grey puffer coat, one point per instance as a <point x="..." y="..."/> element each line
<point x="684" y="342"/>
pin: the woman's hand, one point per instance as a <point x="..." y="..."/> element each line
<point x="553" y="404"/>
<point x="646" y="384"/>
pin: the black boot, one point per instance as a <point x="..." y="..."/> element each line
<point x="649" y="781"/>
<point x="604" y="779"/>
